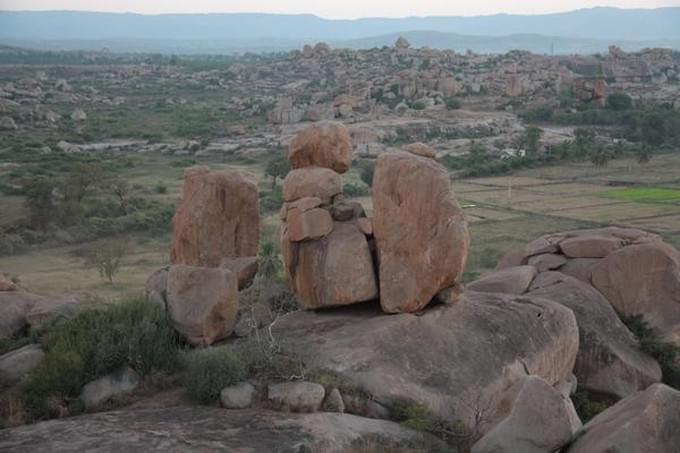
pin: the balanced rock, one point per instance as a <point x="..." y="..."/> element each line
<point x="335" y="270"/>
<point x="218" y="217"/>
<point x="325" y="144"/>
<point x="644" y="280"/>
<point x="454" y="359"/>
<point x="645" y="422"/>
<point x="313" y="182"/>
<point x="202" y="302"/>
<point x="421" y="234"/>
<point x="609" y="360"/>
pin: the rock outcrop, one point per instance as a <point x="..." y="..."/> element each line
<point x="202" y="302"/>
<point x="420" y="231"/>
<point x="646" y="421"/>
<point x="218" y="217"/>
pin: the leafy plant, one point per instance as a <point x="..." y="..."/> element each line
<point x="208" y="371"/>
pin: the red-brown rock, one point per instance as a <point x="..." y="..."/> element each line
<point x="326" y="144"/>
<point x="317" y="182"/>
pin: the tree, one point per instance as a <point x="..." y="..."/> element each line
<point x="366" y="171"/>
<point x="121" y="190"/>
<point x="277" y="168"/>
<point x="653" y="129"/>
<point x="619" y="101"/>
<point x="80" y="181"/>
<point x="107" y="257"/>
<point x="644" y="154"/>
<point x="40" y="201"/>
<point x="584" y="139"/>
<point x="532" y="138"/>
<point x="268" y="262"/>
<point x="601" y="155"/>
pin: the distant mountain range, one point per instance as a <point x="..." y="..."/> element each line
<point x="581" y="31"/>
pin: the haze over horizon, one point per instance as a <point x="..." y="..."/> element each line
<point x="349" y="9"/>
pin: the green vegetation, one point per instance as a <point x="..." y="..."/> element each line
<point x="644" y="195"/>
<point x="208" y="371"/>
<point x="651" y="343"/>
<point x="98" y="341"/>
<point x="419" y="417"/>
<point x="589" y="404"/>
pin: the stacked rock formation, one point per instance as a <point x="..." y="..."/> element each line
<point x="215" y="242"/>
<point x="418" y="238"/>
<point x="324" y="239"/>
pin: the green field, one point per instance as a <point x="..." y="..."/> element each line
<point x="645" y="195"/>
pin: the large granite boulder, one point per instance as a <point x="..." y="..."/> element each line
<point x="312" y="182"/>
<point x="335" y="270"/>
<point x="20" y="310"/>
<point x="219" y="217"/>
<point x="511" y="280"/>
<point x="609" y="360"/>
<point x="645" y="422"/>
<point x="202" y="302"/>
<point x="204" y="429"/>
<point x="455" y="359"/>
<point x="643" y="279"/>
<point x="420" y="231"/>
<point x="325" y="144"/>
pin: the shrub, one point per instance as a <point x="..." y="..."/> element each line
<point x="161" y="188"/>
<point x="210" y="370"/>
<point x="96" y="342"/>
<point x="366" y="172"/>
<point x="588" y="404"/>
<point x="667" y="354"/>
<point x="267" y="359"/>
<point x="272" y="200"/>
<point x="355" y="190"/>
<point x="453" y="104"/>
<point x="619" y="101"/>
<point x="419" y="417"/>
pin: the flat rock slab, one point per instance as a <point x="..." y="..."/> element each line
<point x="449" y="358"/>
<point x="199" y="429"/>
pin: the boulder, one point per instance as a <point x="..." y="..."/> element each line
<point x="244" y="267"/>
<point x="219" y="216"/>
<point x="155" y="289"/>
<point x="645" y="422"/>
<point x="334" y="402"/>
<point x="7" y="285"/>
<point x="239" y="396"/>
<point x="15" y="364"/>
<point x="609" y="360"/>
<point x="47" y="309"/>
<point x="316" y="182"/>
<point x="421" y="149"/>
<point x="643" y="280"/>
<point x="308" y="225"/>
<point x="103" y="389"/>
<point x="512" y="258"/>
<point x="580" y="268"/>
<point x="454" y="359"/>
<point x="537" y="423"/>
<point x="296" y="396"/>
<point x="547" y="261"/>
<point x="202" y="302"/>
<point x="204" y="429"/>
<point x="512" y="280"/>
<point x="335" y="270"/>
<point x="325" y="144"/>
<point x="590" y="246"/>
<point x="365" y="225"/>
<point x="14" y="306"/>
<point x="420" y="231"/>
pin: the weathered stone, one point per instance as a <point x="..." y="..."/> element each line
<point x="343" y="211"/>
<point x="333" y="402"/>
<point x="590" y="246"/>
<point x="15" y="364"/>
<point x="609" y="359"/>
<point x="14" y="306"/>
<point x="420" y="231"/>
<point x="643" y="280"/>
<point x="103" y="389"/>
<point x="326" y="144"/>
<point x="365" y="225"/>
<point x="204" y="429"/>
<point x="645" y="422"/>
<point x="538" y="422"/>
<point x="296" y="396"/>
<point x="335" y="270"/>
<point x="312" y="182"/>
<point x="7" y="285"/>
<point x="512" y="258"/>
<point x="202" y="302"/>
<point x="451" y="295"/>
<point x="513" y="280"/>
<point x="244" y="267"/>
<point x="218" y="217"/>
<point x="454" y="359"/>
<point x="156" y="286"/>
<point x="46" y="309"/>
<point x="580" y="268"/>
<point x="308" y="225"/>
<point x="239" y="396"/>
<point x="544" y="244"/>
<point x="421" y="149"/>
<point x="547" y="261"/>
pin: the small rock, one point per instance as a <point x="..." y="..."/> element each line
<point x="101" y="390"/>
<point x="450" y="295"/>
<point x="297" y="396"/>
<point x="78" y="115"/>
<point x="239" y="396"/>
<point x="7" y="285"/>
<point x="15" y="364"/>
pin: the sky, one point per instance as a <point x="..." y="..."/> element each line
<point x="336" y="9"/>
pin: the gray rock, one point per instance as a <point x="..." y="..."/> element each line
<point x="538" y="422"/>
<point x="15" y="364"/>
<point x="103" y="389"/>
<point x="202" y="429"/>
<point x="244" y="267"/>
<point x="645" y="422"/>
<point x="333" y="402"/>
<point x="155" y="289"/>
<point x="239" y="396"/>
<point x="512" y="280"/>
<point x="296" y="396"/>
<point x="547" y="261"/>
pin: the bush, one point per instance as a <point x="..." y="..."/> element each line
<point x="619" y="101"/>
<point x="272" y="200"/>
<point x="366" y="172"/>
<point x="453" y="104"/>
<point x="355" y="190"/>
<point x="98" y="341"/>
<point x="210" y="370"/>
<point x="267" y="359"/>
<point x="161" y="188"/>
<point x="667" y="354"/>
<point x="588" y="404"/>
<point x="419" y="417"/>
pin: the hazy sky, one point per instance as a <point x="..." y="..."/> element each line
<point x="333" y="8"/>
